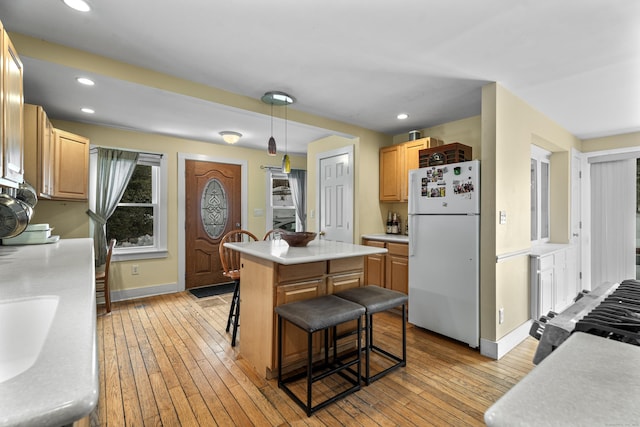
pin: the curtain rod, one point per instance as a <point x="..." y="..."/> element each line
<point x="93" y="149"/>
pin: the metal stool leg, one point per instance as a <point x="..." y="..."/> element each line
<point x="234" y="313"/>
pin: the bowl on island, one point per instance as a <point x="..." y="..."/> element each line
<point x="297" y="238"/>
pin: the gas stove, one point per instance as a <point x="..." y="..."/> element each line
<point x="610" y="311"/>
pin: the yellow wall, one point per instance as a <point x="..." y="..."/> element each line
<point x="626" y="140"/>
<point x="510" y="126"/>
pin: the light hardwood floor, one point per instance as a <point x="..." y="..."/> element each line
<point x="166" y="361"/>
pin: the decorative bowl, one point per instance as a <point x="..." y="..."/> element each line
<point x="297" y="238"/>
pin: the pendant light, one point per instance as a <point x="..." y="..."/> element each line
<point x="286" y="162"/>
<point x="271" y="149"/>
<point x="276" y="98"/>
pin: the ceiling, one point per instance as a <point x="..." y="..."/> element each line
<point x="359" y="62"/>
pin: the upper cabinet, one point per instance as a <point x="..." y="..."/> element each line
<point x="11" y="74"/>
<point x="57" y="162"/>
<point x="395" y="163"/>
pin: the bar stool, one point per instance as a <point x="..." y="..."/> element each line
<point x="321" y="314"/>
<point x="230" y="261"/>
<point x="375" y="300"/>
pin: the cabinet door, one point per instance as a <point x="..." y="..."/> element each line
<point x="12" y="111"/>
<point x="71" y="166"/>
<point x="391" y="166"/>
<point x="374" y="265"/>
<point x="411" y="161"/>
<point x="398" y="273"/>
<point x="546" y="291"/>
<point x="38" y="149"/>
<point x="295" y="342"/>
<point x="398" y="267"/>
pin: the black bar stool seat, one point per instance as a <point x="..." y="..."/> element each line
<point x="375" y="300"/>
<point x="321" y="314"/>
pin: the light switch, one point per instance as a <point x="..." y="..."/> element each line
<point x="258" y="212"/>
<point x="503" y="217"/>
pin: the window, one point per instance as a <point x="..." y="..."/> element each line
<point x="139" y="223"/>
<point x="540" y="181"/>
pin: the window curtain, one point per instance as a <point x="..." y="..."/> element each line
<point x="114" y="170"/>
<point x="298" y="184"/>
<point x="613" y="219"/>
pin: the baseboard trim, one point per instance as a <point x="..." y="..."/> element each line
<point x="147" y="291"/>
<point x="497" y="349"/>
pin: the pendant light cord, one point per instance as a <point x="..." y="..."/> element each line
<point x="272" y="119"/>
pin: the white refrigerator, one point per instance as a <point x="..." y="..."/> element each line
<point x="444" y="250"/>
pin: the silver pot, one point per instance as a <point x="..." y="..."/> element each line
<point x="14" y="216"/>
<point x="27" y="194"/>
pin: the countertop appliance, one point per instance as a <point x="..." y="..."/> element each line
<point x="611" y="310"/>
<point x="444" y="250"/>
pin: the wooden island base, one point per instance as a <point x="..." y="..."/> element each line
<point x="266" y="284"/>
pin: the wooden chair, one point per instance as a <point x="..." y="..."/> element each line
<point x="230" y="260"/>
<point x="102" y="278"/>
<point x="272" y="234"/>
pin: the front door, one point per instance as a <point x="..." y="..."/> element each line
<point x="212" y="208"/>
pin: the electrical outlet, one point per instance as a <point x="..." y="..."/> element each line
<point x="134" y="269"/>
<point x="501" y="315"/>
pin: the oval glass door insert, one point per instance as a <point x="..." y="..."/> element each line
<point x="214" y="210"/>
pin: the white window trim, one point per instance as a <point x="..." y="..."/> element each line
<point x="159" y="250"/>
<point x="542" y="156"/>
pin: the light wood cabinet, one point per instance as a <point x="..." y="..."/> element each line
<point x="70" y="166"/>
<point x="375" y="265"/>
<point x="11" y="77"/>
<point x="390" y="270"/>
<point x="56" y="161"/>
<point x="38" y="150"/>
<point x="395" y="163"/>
<point x="398" y="267"/>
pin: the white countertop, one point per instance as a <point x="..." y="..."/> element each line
<point x="317" y="250"/>
<point x="394" y="238"/>
<point x="587" y="381"/>
<point x="62" y="385"/>
<point x="547" y="248"/>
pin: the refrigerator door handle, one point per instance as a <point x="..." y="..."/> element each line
<point x="413" y="232"/>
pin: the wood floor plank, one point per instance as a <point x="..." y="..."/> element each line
<point x="167" y="361"/>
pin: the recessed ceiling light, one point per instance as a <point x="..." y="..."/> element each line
<point x="403" y="116"/>
<point x="87" y="110"/>
<point x="79" y="5"/>
<point x="85" y="81"/>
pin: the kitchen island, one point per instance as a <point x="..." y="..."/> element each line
<point x="272" y="274"/>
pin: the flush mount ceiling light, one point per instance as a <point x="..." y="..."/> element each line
<point x="87" y="110"/>
<point x="85" y="81"/>
<point x="230" y="137"/>
<point x="402" y="116"/>
<point x="79" y="5"/>
<point x="276" y="98"/>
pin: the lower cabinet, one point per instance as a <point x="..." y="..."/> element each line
<point x="390" y="270"/>
<point x="552" y="288"/>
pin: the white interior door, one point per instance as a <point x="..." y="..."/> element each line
<point x="574" y="256"/>
<point x="336" y="194"/>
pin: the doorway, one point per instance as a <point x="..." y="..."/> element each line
<point x="231" y="175"/>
